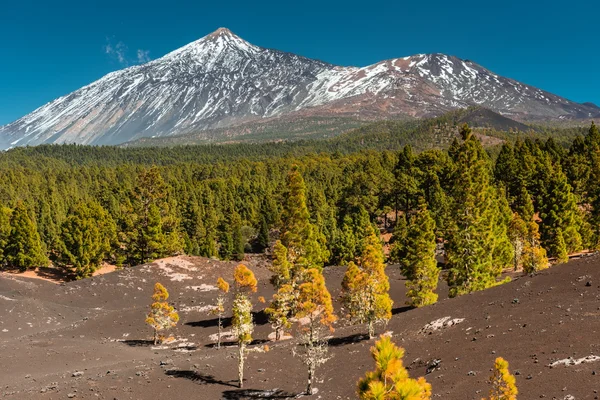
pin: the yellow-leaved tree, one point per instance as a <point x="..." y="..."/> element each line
<point x="219" y="308"/>
<point x="503" y="382"/>
<point x="365" y="287"/>
<point x="245" y="283"/>
<point x="162" y="316"/>
<point x="314" y="310"/>
<point x="390" y="380"/>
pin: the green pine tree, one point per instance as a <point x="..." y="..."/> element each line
<point x="419" y="265"/>
<point x="87" y="237"/>
<point x="472" y="241"/>
<point x="305" y="244"/>
<point x="24" y="247"/>
<point x="560" y="216"/>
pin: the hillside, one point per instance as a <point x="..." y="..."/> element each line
<point x="87" y="339"/>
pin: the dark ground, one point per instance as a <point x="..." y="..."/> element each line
<point x="49" y="333"/>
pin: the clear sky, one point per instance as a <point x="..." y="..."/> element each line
<point x="50" y="48"/>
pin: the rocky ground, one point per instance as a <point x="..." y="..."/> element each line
<point x="87" y="339"/>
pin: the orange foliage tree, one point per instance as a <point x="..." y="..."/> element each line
<point x="314" y="310"/>
<point x="219" y="308"/>
<point x="162" y="316"/>
<point x="245" y="283"/>
<point x="365" y="286"/>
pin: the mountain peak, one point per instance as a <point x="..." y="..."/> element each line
<point x="220" y="32"/>
<point x="212" y="46"/>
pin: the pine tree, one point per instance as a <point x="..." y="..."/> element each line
<point x="243" y="326"/>
<point x="305" y="244"/>
<point x="471" y="241"/>
<point x="503" y="382"/>
<point x="534" y="255"/>
<point x="5" y="215"/>
<point x="152" y="231"/>
<point x="419" y="265"/>
<point x="398" y="243"/>
<point x="560" y="216"/>
<point x="390" y="379"/>
<point x="593" y="183"/>
<point x="162" y="316"/>
<point x="406" y="186"/>
<point x="193" y="226"/>
<point x="365" y="286"/>
<point x="284" y="298"/>
<point x="280" y="309"/>
<point x="219" y="308"/>
<point x="518" y="232"/>
<point x="523" y="204"/>
<point x="24" y="247"/>
<point x="503" y="251"/>
<point x="263" y="238"/>
<point x="87" y="237"/>
<point x="314" y="304"/>
<point x="237" y="238"/>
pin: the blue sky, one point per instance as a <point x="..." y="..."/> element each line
<point x="50" y="48"/>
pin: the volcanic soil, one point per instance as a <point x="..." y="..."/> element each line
<point x="87" y="339"/>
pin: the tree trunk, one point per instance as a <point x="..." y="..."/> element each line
<point x="371" y="328"/>
<point x="219" y="334"/>
<point x="310" y="378"/>
<point x="155" y="337"/>
<point x="277" y="333"/>
<point x="241" y="355"/>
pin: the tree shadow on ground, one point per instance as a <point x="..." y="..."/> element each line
<point x="200" y="378"/>
<point x="229" y="344"/>
<point x="139" y="343"/>
<point x="249" y="394"/>
<point x="342" y="341"/>
<point x="259" y="318"/>
<point x="400" y="310"/>
<point x="211" y="323"/>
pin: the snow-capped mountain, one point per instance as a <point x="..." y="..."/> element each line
<point x="222" y="80"/>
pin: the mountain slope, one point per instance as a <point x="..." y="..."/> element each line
<point x="221" y="81"/>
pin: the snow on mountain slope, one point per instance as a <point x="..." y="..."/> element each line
<point x="222" y="80"/>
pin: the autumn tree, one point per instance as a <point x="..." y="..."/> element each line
<point x="365" y="287"/>
<point x="219" y="309"/>
<point x="280" y="309"/>
<point x="503" y="382"/>
<point x="314" y="306"/>
<point x="23" y="245"/>
<point x="162" y="316"/>
<point x="243" y="326"/>
<point x="390" y="379"/>
<point x="419" y="264"/>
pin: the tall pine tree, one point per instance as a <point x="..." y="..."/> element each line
<point x="471" y="240"/>
<point x="419" y="265"/>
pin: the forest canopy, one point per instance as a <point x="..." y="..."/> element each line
<point x="135" y="205"/>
